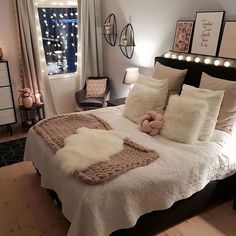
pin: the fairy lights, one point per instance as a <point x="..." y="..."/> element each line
<point x="59" y="36"/>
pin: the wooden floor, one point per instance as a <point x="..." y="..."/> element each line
<point x="26" y="209"/>
<point x="18" y="132"/>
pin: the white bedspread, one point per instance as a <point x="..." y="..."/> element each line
<point x="99" y="210"/>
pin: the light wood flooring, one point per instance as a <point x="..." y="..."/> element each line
<point x="18" y="132"/>
<point x="26" y="209"/>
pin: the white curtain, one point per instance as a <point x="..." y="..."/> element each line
<point x="33" y="66"/>
<point x="91" y="59"/>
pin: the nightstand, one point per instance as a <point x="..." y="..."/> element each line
<point x="30" y="116"/>
<point x="115" y="102"/>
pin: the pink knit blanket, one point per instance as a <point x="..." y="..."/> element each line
<point x="54" y="131"/>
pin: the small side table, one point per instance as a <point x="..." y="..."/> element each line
<point x="115" y="102"/>
<point x="30" y="116"/>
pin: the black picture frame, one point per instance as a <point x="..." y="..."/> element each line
<point x="207" y="32"/>
<point x="183" y="36"/>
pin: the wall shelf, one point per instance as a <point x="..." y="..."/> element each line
<point x="110" y="30"/>
<point x="126" y="41"/>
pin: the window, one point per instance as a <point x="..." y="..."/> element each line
<point x="59" y="27"/>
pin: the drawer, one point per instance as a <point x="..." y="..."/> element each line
<point x="5" y="98"/>
<point x="4" y="78"/>
<point x="7" y="117"/>
<point x="3" y="66"/>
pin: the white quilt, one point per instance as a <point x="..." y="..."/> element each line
<point x="99" y="210"/>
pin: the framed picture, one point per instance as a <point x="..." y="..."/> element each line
<point x="183" y="36"/>
<point x="228" y="43"/>
<point x="206" y="32"/>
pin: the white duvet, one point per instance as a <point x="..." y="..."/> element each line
<point x="99" y="210"/>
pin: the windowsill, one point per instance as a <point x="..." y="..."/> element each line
<point x="62" y="76"/>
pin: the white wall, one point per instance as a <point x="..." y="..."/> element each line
<point x="154" y="25"/>
<point x="9" y="43"/>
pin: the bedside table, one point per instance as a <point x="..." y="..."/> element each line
<point x="115" y="102"/>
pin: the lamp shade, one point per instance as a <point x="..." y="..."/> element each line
<point x="131" y="76"/>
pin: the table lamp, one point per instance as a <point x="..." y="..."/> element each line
<point x="131" y="76"/>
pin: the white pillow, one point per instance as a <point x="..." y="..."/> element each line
<point x="213" y="99"/>
<point x="183" y="119"/>
<point x="147" y="94"/>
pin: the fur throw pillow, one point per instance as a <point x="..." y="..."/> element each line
<point x="147" y="94"/>
<point x="183" y="119"/>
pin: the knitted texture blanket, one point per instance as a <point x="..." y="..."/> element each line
<point x="56" y="129"/>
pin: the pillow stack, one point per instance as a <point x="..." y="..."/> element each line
<point x="193" y="115"/>
<point x="151" y="93"/>
<point x="190" y="117"/>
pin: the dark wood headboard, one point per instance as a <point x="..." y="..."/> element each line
<point x="195" y="70"/>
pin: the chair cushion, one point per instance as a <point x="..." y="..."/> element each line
<point x="92" y="102"/>
<point x="95" y="88"/>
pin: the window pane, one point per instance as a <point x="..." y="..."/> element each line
<point x="59" y="28"/>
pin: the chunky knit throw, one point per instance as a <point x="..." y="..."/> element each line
<point x="132" y="156"/>
<point x="54" y="131"/>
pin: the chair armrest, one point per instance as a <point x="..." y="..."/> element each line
<point x="80" y="95"/>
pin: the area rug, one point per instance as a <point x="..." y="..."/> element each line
<point x="12" y="152"/>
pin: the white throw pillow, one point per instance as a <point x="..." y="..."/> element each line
<point x="183" y="119"/>
<point x="147" y="94"/>
<point x="213" y="99"/>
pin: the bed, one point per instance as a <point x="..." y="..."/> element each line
<point x="146" y="199"/>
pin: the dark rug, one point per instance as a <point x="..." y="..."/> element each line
<point x="12" y="152"/>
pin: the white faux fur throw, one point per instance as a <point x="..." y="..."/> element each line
<point x="88" y="147"/>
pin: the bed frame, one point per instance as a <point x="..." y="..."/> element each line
<point x="157" y="221"/>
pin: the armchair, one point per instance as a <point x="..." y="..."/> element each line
<point x="89" y="103"/>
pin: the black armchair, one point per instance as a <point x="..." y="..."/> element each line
<point x="91" y="102"/>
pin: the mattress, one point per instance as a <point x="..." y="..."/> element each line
<point x="181" y="171"/>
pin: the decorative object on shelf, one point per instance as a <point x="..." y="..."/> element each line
<point x="1" y="54"/>
<point x="228" y="43"/>
<point x="110" y="30"/>
<point x="206" y="32"/>
<point x="26" y="97"/>
<point x="126" y="41"/>
<point x="183" y="35"/>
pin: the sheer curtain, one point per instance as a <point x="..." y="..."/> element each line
<point x="33" y="66"/>
<point x="91" y="59"/>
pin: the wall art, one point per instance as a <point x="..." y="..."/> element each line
<point x="228" y="43"/>
<point x="183" y="36"/>
<point x="206" y="32"/>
